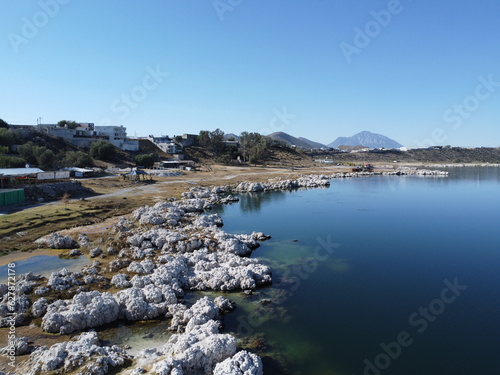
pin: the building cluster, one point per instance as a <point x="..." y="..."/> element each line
<point x="174" y="145"/>
<point x="84" y="134"/>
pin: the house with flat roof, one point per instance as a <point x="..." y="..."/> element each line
<point x="85" y="134"/>
<point x="166" y="144"/>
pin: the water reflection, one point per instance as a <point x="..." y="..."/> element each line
<point x="252" y="202"/>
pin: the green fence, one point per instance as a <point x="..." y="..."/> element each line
<point x="11" y="196"/>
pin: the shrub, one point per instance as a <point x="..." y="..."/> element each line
<point x="102" y="150"/>
<point x="46" y="159"/>
<point x="146" y="160"/>
<point x="77" y="159"/>
<point x="11" y="162"/>
<point x="7" y="138"/>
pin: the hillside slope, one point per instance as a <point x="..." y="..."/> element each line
<point x="294" y="141"/>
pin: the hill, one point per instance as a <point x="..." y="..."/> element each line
<point x="291" y="140"/>
<point x="312" y="144"/>
<point x="450" y="155"/>
<point x="367" y="139"/>
<point x="229" y="136"/>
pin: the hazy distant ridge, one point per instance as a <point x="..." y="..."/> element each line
<point x="367" y="139"/>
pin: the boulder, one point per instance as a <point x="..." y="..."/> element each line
<point x="84" y="310"/>
<point x="242" y="363"/>
<point x="58" y="241"/>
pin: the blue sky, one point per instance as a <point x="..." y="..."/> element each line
<point x="421" y="72"/>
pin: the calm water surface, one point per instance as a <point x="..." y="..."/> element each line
<point x="44" y="265"/>
<point x="417" y="260"/>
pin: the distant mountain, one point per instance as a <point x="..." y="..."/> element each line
<point x="367" y="139"/>
<point x="290" y="140"/>
<point x="231" y="135"/>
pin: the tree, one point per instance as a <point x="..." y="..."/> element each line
<point x="204" y="139"/>
<point x="3" y="124"/>
<point x="217" y="141"/>
<point x="27" y="152"/>
<point x="7" y="138"/>
<point x="212" y="141"/>
<point x="11" y="162"/>
<point x="77" y="159"/>
<point x="253" y="147"/>
<point x="102" y="150"/>
<point x="46" y="159"/>
<point x="68" y="124"/>
<point x="146" y="160"/>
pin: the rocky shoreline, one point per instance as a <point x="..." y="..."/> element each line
<point x="141" y="272"/>
<point x="458" y="165"/>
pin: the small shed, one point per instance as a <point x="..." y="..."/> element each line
<point x="11" y="196"/>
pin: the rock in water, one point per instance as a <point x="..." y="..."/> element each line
<point x="242" y="363"/>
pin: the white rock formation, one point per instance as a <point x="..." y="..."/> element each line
<point x="58" y="241"/>
<point x="84" y="354"/>
<point x="84" y="310"/>
<point x="242" y="363"/>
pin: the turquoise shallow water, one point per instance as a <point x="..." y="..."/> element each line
<point x="408" y="283"/>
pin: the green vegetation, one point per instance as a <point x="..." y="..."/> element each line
<point x="77" y="159"/>
<point x="212" y="141"/>
<point x="254" y="147"/>
<point x="37" y="155"/>
<point x="102" y="150"/>
<point x="46" y="159"/>
<point x="7" y="138"/>
<point x="146" y="160"/>
<point x="3" y="124"/>
<point x="11" y="162"/>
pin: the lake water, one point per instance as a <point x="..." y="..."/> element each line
<point x="377" y="275"/>
<point x="44" y="265"/>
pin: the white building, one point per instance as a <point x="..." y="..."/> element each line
<point x="166" y="144"/>
<point x="117" y="135"/>
<point x="86" y="133"/>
